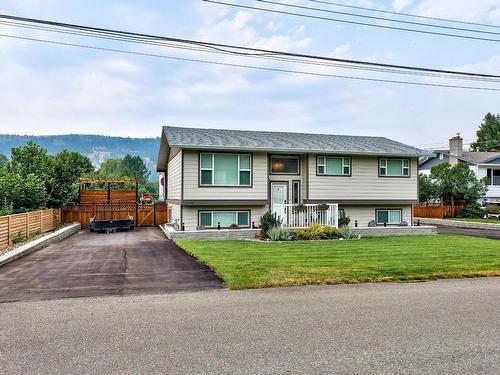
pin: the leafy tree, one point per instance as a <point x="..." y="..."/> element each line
<point x="427" y="189"/>
<point x="112" y="168"/>
<point x="31" y="159"/>
<point x="3" y="160"/>
<point x="22" y="192"/>
<point x="134" y="166"/>
<point x="67" y="167"/>
<point x="149" y="187"/>
<point x="488" y="134"/>
<point x="457" y="183"/>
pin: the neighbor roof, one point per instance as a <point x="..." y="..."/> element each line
<point x="473" y="157"/>
<point x="196" y="138"/>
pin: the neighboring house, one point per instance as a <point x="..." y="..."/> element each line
<point x="483" y="164"/>
<point x="235" y="176"/>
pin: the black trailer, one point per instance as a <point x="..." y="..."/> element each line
<point x="111" y="225"/>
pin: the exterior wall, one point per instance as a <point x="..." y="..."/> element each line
<point x="176" y="213"/>
<point x="365" y="214"/>
<point x="192" y="190"/>
<point x="290" y="178"/>
<point x="493" y="191"/>
<point x="190" y="213"/>
<point x="174" y="178"/>
<point x="364" y="184"/>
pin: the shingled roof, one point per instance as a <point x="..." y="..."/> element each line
<point x="197" y="138"/>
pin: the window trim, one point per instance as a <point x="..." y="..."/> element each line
<point x="200" y="185"/>
<point x="333" y="156"/>
<point x="402" y="167"/>
<point x="288" y="156"/>
<point x="296" y="183"/>
<point x="490" y="176"/>
<point x="388" y="209"/>
<point x="220" y="210"/>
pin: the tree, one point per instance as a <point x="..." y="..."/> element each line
<point x="134" y="166"/>
<point x="112" y="168"/>
<point x="67" y="167"/>
<point x="457" y="183"/>
<point x="488" y="134"/>
<point x="427" y="189"/>
<point x="3" y="160"/>
<point x="31" y="159"/>
<point x="23" y="193"/>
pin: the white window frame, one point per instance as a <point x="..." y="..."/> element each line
<point x="212" y="169"/>
<point x="403" y="167"/>
<point x="346" y="163"/>
<point x="214" y="225"/>
<point x="388" y="215"/>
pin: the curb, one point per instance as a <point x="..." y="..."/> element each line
<point x="458" y="223"/>
<point x="39" y="243"/>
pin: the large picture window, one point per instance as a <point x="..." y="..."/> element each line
<point x="211" y="219"/>
<point x="394" y="167"/>
<point x="493" y="176"/>
<point x="334" y="166"/>
<point x="285" y="164"/>
<point x="223" y="169"/>
<point x="390" y="217"/>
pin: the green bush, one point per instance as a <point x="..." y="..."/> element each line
<point x="279" y="234"/>
<point x="344" y="221"/>
<point x="472" y="210"/>
<point x="316" y="232"/>
<point x="267" y="221"/>
<point x="347" y="233"/>
<point x="493" y="209"/>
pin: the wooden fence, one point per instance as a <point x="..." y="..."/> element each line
<point x="143" y="215"/>
<point x="22" y="226"/>
<point x="108" y="196"/>
<point x="439" y="211"/>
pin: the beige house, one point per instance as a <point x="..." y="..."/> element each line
<point x="215" y="178"/>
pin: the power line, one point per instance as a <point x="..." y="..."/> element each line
<point x="378" y="18"/>
<point x="251" y="66"/>
<point x="402" y="14"/>
<point x="235" y="49"/>
<point x="257" y="56"/>
<point x="353" y="22"/>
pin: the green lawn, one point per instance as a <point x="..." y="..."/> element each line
<point x="477" y="220"/>
<point x="252" y="264"/>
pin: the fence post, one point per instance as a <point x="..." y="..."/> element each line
<point x="41" y="218"/>
<point x="27" y="225"/>
<point x="9" y="230"/>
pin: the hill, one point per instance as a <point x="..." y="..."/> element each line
<point x="97" y="147"/>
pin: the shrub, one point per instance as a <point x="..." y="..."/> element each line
<point x="344" y="221"/>
<point x="279" y="234"/>
<point x="331" y="233"/>
<point x="348" y="233"/>
<point x="267" y="221"/>
<point x="316" y="232"/>
<point x="301" y="235"/>
<point x="492" y="209"/>
<point x="472" y="210"/>
<point x="18" y="238"/>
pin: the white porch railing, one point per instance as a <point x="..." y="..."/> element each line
<point x="312" y="214"/>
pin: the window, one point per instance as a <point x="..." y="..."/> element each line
<point x="210" y="219"/>
<point x="334" y="166"/>
<point x="394" y="167"/>
<point x="221" y="169"/>
<point x="493" y="176"/>
<point x="296" y="192"/>
<point x="391" y="217"/>
<point x="284" y="164"/>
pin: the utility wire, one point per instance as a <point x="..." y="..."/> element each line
<point x="401" y="13"/>
<point x="353" y="22"/>
<point x="237" y="49"/>
<point x="251" y="66"/>
<point x="266" y="57"/>
<point x="283" y="4"/>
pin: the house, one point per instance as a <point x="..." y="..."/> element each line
<point x="218" y="177"/>
<point x="483" y="164"/>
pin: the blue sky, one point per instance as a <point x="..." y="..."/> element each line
<point x="47" y="89"/>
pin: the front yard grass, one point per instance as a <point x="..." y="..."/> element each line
<point x="477" y="220"/>
<point x="253" y="264"/>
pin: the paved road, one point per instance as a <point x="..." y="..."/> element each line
<point x="442" y="327"/>
<point x="96" y="264"/>
<point x="487" y="233"/>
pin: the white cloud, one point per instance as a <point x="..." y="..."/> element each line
<point x="464" y="10"/>
<point x="401" y="4"/>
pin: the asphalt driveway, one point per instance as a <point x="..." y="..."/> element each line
<point x="486" y="233"/>
<point x="87" y="264"/>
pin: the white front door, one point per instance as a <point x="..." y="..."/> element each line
<point x="279" y="194"/>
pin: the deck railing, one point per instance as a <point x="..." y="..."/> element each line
<point x="293" y="216"/>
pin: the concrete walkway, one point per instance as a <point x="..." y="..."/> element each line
<point x="442" y="327"/>
<point x="141" y="261"/>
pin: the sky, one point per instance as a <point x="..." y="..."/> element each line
<point x="53" y="89"/>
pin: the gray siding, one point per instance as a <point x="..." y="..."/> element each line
<point x="174" y="178"/>
<point x="193" y="191"/>
<point x="364" y="184"/>
<point x="190" y="213"/>
<point x="365" y="214"/>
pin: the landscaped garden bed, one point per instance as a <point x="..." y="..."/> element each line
<point x="256" y="264"/>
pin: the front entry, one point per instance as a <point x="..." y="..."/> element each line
<point x="279" y="194"/>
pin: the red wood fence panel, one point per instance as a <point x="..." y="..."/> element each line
<point x="437" y="211"/>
